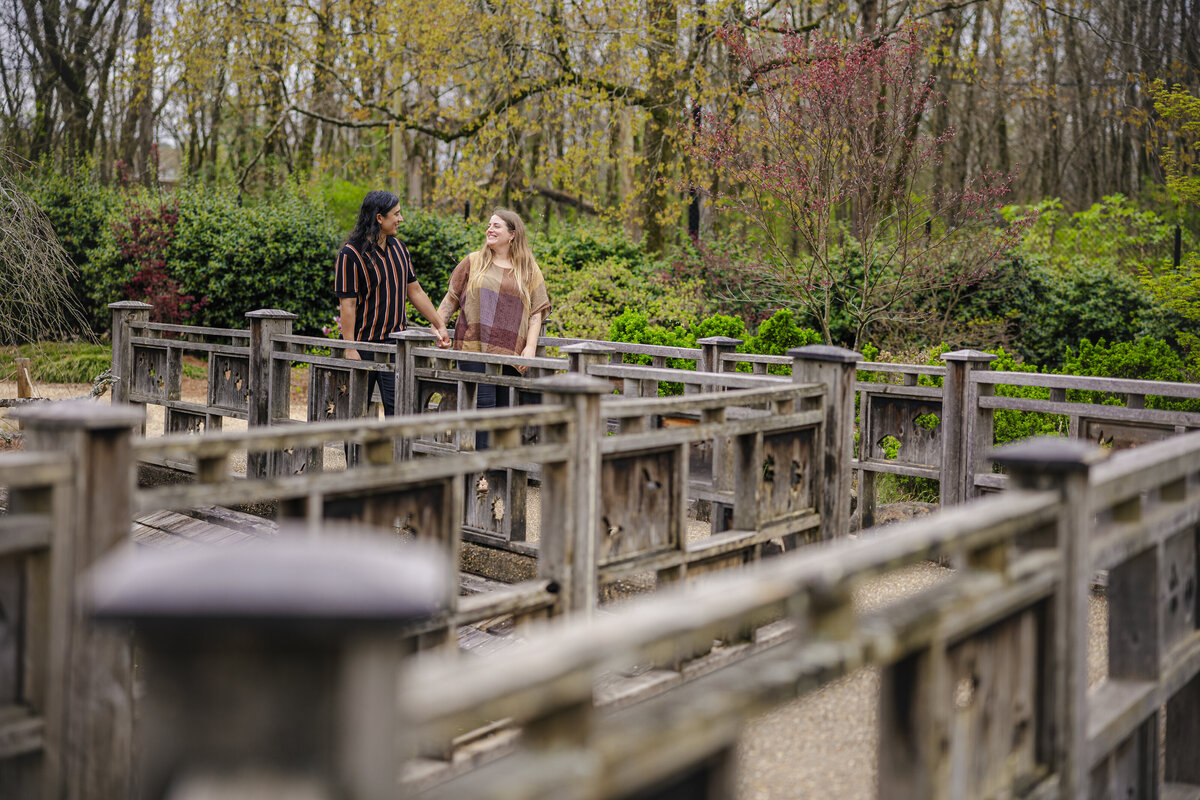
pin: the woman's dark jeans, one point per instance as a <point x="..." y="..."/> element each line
<point x="488" y="395"/>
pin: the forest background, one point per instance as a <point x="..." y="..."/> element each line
<point x="208" y="156"/>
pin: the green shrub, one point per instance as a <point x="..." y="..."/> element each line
<point x="230" y="259"/>
<point x="1111" y="234"/>
<point x="342" y="199"/>
<point x="580" y="246"/>
<point x="633" y="326"/>
<point x="588" y="300"/>
<point x="1090" y="303"/>
<point x="1011" y="426"/>
<point x="58" y="362"/>
<point x="78" y="206"/>
<point x="1145" y="359"/>
<point x="277" y="254"/>
<point x="719" y="325"/>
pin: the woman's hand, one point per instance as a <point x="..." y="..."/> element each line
<point x="527" y="353"/>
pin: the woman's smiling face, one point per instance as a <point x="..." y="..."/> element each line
<point x="498" y="232"/>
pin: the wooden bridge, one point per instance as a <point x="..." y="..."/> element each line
<point x="983" y="690"/>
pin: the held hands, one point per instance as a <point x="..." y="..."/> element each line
<point x="443" y="338"/>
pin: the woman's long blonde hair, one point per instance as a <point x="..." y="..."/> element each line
<point x="518" y="253"/>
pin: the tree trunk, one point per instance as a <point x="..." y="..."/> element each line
<point x="1084" y="134"/>
<point x="658" y="142"/>
<point x="138" y="130"/>
<point x="1051" y="134"/>
<point x="999" y="119"/>
<point x="321" y="100"/>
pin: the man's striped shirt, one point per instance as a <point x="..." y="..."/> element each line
<point x="378" y="279"/>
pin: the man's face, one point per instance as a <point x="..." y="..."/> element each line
<point x="389" y="223"/>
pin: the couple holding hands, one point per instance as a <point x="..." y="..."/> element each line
<point x="498" y="291"/>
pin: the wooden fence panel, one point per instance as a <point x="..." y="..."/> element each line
<point x="33" y="540"/>
<point x="643" y="505"/>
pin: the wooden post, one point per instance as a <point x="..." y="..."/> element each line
<point x="836" y="368"/>
<point x="571" y="493"/>
<point x="271" y="666"/>
<point x="89" y="734"/>
<point x="581" y="356"/>
<point x="1062" y="465"/>
<point x="722" y="447"/>
<point x="123" y="313"/>
<point x="270" y="389"/>
<point x="24" y="384"/>
<point x="407" y="391"/>
<point x="712" y="348"/>
<point x="966" y="430"/>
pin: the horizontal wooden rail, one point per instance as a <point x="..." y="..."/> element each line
<point x="190" y="330"/>
<point x="626" y="348"/>
<point x="195" y="347"/>
<point x="1088" y="383"/>
<point x="651" y="630"/>
<point x="316" y="434"/>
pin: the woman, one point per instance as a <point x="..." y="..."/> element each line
<point x="372" y="276"/>
<point x="502" y="298"/>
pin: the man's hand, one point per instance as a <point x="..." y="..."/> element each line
<point x="352" y="355"/>
<point x="443" y="337"/>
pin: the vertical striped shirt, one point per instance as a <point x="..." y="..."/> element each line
<point x="379" y="280"/>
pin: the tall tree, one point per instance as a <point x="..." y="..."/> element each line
<point x="835" y="127"/>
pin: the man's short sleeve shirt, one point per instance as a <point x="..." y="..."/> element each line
<point x="378" y="278"/>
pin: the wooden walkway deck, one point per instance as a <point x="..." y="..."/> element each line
<point x="225" y="527"/>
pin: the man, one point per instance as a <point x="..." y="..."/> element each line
<point x="372" y="276"/>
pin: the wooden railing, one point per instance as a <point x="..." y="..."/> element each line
<point x="983" y="688"/>
<point x="66" y="690"/>
<point x="941" y="433"/>
<point x="34" y="558"/>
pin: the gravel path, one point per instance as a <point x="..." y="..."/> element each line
<point x="824" y="745"/>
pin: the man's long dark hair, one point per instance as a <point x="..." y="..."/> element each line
<point x="366" y="230"/>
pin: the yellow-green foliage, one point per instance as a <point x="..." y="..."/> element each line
<point x="587" y="299"/>
<point x="58" y="362"/>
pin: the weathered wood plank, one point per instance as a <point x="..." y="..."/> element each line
<point x="356" y="480"/>
<point x="1089" y="383"/>
<point x="21" y="732"/>
<point x="1092" y="411"/>
<point x="898" y="468"/>
<point x="144" y="343"/>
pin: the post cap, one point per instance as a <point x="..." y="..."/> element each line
<point x="413" y="335"/>
<point x="719" y="341"/>
<point x="571" y="383"/>
<point x="1049" y="454"/>
<point x="84" y="414"/>
<point x="129" y="305"/>
<point x="586" y="348"/>
<point x="969" y="355"/>
<point x="286" y="581"/>
<point x="270" y="313"/>
<point x="825" y="352"/>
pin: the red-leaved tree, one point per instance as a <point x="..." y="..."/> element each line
<point x="829" y="159"/>
<point x="144" y="238"/>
